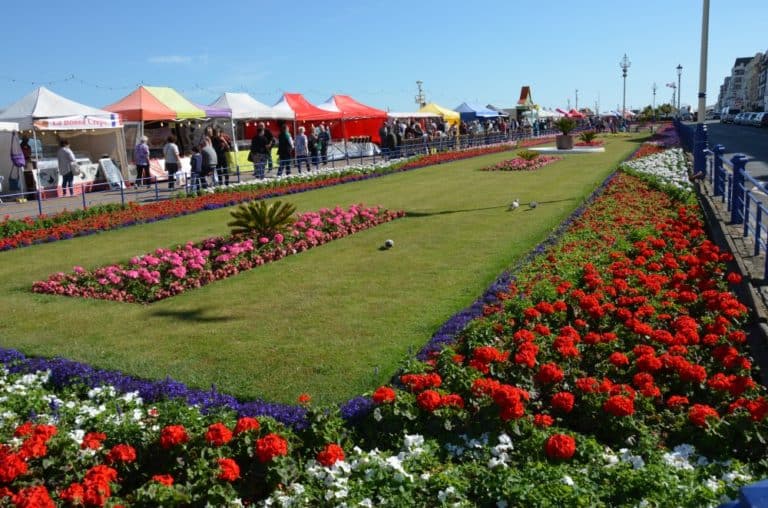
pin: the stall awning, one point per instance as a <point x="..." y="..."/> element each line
<point x="350" y="108"/>
<point x="47" y="110"/>
<point x="448" y="115"/>
<point x="148" y="103"/>
<point x="293" y="106"/>
<point x="243" y="106"/>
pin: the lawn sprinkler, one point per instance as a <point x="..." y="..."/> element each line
<point x="514" y="205"/>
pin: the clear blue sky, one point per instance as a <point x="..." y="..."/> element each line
<point x="375" y="51"/>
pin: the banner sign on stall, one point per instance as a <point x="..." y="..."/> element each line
<point x="78" y="122"/>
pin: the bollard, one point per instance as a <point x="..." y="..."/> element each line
<point x="719" y="172"/>
<point x="82" y="193"/>
<point x="737" y="188"/>
<point x="699" y="145"/>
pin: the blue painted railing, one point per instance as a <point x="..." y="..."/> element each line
<point x="743" y="196"/>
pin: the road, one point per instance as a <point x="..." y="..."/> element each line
<point x="750" y="141"/>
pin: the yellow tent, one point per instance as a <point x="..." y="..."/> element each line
<point x="448" y="115"/>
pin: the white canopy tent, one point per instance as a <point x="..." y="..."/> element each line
<point x="243" y="106"/>
<point x="49" y="117"/>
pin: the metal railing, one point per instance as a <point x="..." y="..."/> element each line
<point x="744" y="197"/>
<point x="47" y="201"/>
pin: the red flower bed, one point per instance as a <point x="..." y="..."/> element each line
<point x="520" y="164"/>
<point x="643" y="336"/>
<point x="168" y="272"/>
<point x="596" y="142"/>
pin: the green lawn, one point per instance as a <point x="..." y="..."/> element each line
<point x="334" y="321"/>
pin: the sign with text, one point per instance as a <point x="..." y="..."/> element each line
<point x="79" y="122"/>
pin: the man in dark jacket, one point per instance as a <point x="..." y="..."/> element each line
<point x="259" y="152"/>
<point x="284" y="151"/>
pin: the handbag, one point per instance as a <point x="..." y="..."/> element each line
<point x="14" y="185"/>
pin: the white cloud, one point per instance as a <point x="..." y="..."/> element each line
<point x="170" y="59"/>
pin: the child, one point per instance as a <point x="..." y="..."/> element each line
<point x="196" y="162"/>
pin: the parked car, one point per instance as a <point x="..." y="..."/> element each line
<point x="754" y="119"/>
<point x="738" y="119"/>
<point x="763" y="120"/>
<point x="727" y="115"/>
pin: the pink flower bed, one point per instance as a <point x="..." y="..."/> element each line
<point x="520" y="164"/>
<point x="168" y="272"/>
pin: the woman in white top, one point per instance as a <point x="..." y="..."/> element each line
<point x="172" y="159"/>
<point x="301" y="146"/>
<point x="66" y="167"/>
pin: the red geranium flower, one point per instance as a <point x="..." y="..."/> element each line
<point x="542" y="420"/>
<point x="428" y="400"/>
<point x="563" y="402"/>
<point x="246" y="423"/>
<point x="700" y="413"/>
<point x="229" y="471"/>
<point x="173" y="435"/>
<point x="331" y="454"/>
<point x="619" y="405"/>
<point x="122" y="453"/>
<point x="560" y="447"/>
<point x="305" y="398"/>
<point x="164" y="479"/>
<point x="218" y="434"/>
<point x="74" y="494"/>
<point x="383" y="395"/>
<point x="271" y="446"/>
<point x="93" y="440"/>
<point x="12" y="465"/>
<point x="33" y="497"/>
<point x="549" y="373"/>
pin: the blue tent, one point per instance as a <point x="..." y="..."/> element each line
<point x="469" y="111"/>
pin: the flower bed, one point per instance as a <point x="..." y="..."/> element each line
<point x="621" y="380"/>
<point x="596" y="142"/>
<point x="669" y="168"/>
<point x="169" y="272"/>
<point x="520" y="164"/>
<point x="15" y="233"/>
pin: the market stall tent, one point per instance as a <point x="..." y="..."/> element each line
<point x="468" y="111"/>
<point x="293" y="106"/>
<point x="357" y="119"/>
<point x="48" y="117"/>
<point x="243" y="106"/>
<point x="448" y="115"/>
<point x="148" y="103"/>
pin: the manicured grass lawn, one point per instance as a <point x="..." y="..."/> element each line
<point x="334" y="321"/>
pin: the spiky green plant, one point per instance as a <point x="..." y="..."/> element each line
<point x="565" y="125"/>
<point x="588" y="136"/>
<point x="260" y="218"/>
<point x="527" y="155"/>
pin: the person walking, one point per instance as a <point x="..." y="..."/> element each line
<point x="324" y="141"/>
<point x="221" y="146"/>
<point x="141" y="159"/>
<point x="314" y="152"/>
<point x="196" y="165"/>
<point x="259" y="145"/>
<point x="67" y="167"/>
<point x="302" y="150"/>
<point x="210" y="161"/>
<point x="284" y="151"/>
<point x="172" y="160"/>
<point x="270" y="144"/>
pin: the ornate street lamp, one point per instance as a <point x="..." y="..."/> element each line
<point x="679" y="90"/>
<point x="654" y="101"/>
<point x="624" y="64"/>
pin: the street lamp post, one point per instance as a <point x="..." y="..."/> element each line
<point x="679" y="90"/>
<point x="700" y="135"/>
<point x="624" y="64"/>
<point x="654" y="102"/>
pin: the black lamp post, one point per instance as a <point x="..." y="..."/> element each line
<point x="624" y="64"/>
<point x="679" y="90"/>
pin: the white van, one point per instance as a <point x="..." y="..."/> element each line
<point x="727" y="115"/>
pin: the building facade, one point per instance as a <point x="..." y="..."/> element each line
<point x="752" y="100"/>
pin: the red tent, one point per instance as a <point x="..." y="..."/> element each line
<point x="576" y="114"/>
<point x="293" y="106"/>
<point x="357" y="118"/>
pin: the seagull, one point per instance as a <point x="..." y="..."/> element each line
<point x="514" y="205"/>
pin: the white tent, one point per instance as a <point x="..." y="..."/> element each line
<point x="547" y="113"/>
<point x="49" y="117"/>
<point x="243" y="106"/>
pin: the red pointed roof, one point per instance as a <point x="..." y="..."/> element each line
<point x="350" y="108"/>
<point x="525" y="96"/>
<point x="140" y="106"/>
<point x="301" y="109"/>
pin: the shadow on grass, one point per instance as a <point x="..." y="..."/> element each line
<point x="507" y="207"/>
<point x="191" y="315"/>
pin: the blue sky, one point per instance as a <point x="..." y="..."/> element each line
<point x="98" y="51"/>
